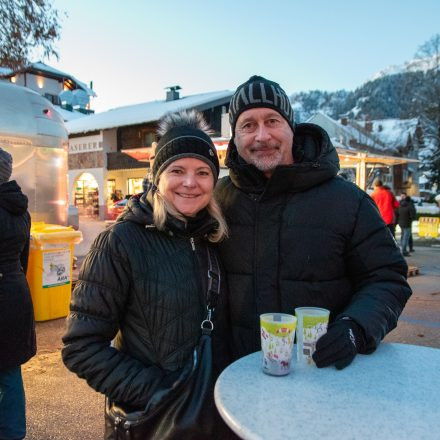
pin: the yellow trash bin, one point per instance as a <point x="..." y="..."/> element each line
<point x="49" y="271"/>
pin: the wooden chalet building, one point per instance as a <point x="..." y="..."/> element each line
<point x="109" y="152"/>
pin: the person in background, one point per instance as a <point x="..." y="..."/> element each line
<point x="144" y="281"/>
<point x="17" y="327"/>
<point x="406" y="214"/>
<point x="410" y="242"/>
<point x="114" y="197"/>
<point x="300" y="235"/>
<point x="387" y="203"/>
<point x="395" y="207"/>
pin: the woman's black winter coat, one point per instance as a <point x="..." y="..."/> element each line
<point x="146" y="289"/>
<point x="17" y="328"/>
<point x="307" y="238"/>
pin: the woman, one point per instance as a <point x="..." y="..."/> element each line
<point x="143" y="283"/>
<point x="17" y="328"/>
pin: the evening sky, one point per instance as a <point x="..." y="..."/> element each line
<point x="133" y="49"/>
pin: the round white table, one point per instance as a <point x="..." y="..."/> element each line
<point x="393" y="393"/>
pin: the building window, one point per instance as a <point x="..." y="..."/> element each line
<point x="135" y="185"/>
<point x="149" y="138"/>
<point x="111" y="189"/>
<point x="386" y="179"/>
<point x="86" y="195"/>
<point x="54" y="99"/>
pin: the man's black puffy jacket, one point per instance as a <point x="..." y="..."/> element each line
<point x="406" y="213"/>
<point x="307" y="238"/>
<point x="147" y="289"/>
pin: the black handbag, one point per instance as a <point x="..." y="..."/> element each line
<point x="185" y="410"/>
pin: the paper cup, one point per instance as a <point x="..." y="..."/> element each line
<point x="277" y="336"/>
<point x="312" y="324"/>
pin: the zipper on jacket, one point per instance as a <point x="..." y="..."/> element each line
<point x="118" y="421"/>
<point x="198" y="267"/>
<point x="254" y="265"/>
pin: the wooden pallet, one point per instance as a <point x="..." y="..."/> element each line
<point x="413" y="271"/>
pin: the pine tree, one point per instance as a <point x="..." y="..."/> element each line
<point x="429" y="97"/>
<point x="27" y="26"/>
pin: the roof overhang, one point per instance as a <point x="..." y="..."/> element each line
<point x="349" y="158"/>
<point x="143" y="154"/>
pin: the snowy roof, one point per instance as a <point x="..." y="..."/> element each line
<point x="343" y="134"/>
<point x="145" y="112"/>
<point x="387" y="135"/>
<point x="50" y="70"/>
<point x="394" y="132"/>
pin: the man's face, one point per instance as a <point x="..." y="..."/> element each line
<point x="264" y="139"/>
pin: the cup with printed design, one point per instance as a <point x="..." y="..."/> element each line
<point x="312" y="324"/>
<point x="277" y="336"/>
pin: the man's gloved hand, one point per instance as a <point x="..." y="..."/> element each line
<point x="342" y="342"/>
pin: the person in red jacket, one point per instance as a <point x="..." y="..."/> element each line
<point x="386" y="202"/>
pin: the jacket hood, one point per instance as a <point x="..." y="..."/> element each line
<point x="139" y="210"/>
<point x="315" y="161"/>
<point x="12" y="199"/>
<point x="404" y="203"/>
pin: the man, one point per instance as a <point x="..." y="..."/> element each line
<point x="300" y="235"/>
<point x="406" y="214"/>
<point x="387" y="204"/>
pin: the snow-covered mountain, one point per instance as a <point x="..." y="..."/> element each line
<point x="416" y="65"/>
<point x="391" y="93"/>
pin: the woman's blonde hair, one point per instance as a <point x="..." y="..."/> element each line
<point x="189" y="119"/>
<point x="162" y="207"/>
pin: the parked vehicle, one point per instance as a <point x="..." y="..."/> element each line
<point x="116" y="209"/>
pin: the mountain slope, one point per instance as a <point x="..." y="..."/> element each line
<point x="386" y="96"/>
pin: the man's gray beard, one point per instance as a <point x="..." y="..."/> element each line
<point x="266" y="163"/>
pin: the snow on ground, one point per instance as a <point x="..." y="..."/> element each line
<point x="427" y="208"/>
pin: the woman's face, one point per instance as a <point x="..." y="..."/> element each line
<point x="187" y="184"/>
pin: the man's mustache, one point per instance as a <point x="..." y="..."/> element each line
<point x="263" y="146"/>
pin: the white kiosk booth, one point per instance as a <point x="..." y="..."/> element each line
<point x="33" y="132"/>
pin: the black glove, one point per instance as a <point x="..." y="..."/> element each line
<point x="342" y="342"/>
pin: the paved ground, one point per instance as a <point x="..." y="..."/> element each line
<point x="90" y="229"/>
<point x="62" y="407"/>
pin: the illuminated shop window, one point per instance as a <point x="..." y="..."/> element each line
<point x="134" y="185"/>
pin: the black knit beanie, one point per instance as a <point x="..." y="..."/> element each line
<point x="260" y="92"/>
<point x="184" y="141"/>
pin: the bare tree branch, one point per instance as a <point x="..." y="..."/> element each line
<point x="25" y="27"/>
